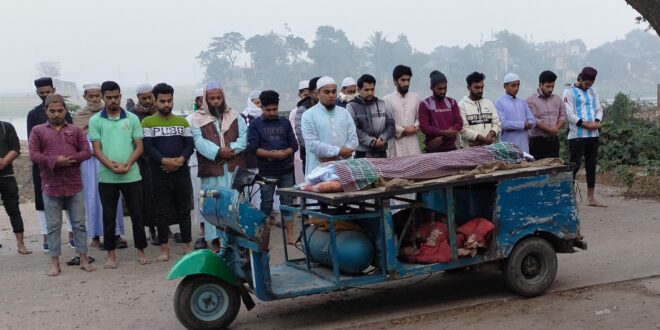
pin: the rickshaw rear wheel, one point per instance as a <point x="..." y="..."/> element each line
<point x="531" y="267"/>
<point x="206" y="302"/>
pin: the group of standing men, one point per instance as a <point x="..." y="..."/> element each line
<point x="85" y="165"/>
<point x="375" y="128"/>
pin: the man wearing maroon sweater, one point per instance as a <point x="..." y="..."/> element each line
<point x="439" y="117"/>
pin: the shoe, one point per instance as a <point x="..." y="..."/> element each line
<point x="45" y="247"/>
<point x="200" y="244"/>
<point x="72" y="244"/>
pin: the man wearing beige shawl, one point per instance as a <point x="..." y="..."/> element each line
<point x="220" y="135"/>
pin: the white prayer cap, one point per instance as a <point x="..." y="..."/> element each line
<point x="348" y="81"/>
<point x="89" y="86"/>
<point x="304" y="84"/>
<point x="510" y="77"/>
<point x="324" y="81"/>
<point x="143" y="88"/>
<point x="199" y="92"/>
<point x="213" y="85"/>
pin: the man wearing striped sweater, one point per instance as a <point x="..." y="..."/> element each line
<point x="584" y="114"/>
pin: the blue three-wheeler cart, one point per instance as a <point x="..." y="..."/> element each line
<point x="532" y="209"/>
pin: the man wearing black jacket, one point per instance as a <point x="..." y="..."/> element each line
<point x="303" y="105"/>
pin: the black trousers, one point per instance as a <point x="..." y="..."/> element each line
<point x="148" y="201"/>
<point x="132" y="192"/>
<point x="9" y="195"/>
<point x="173" y="204"/>
<point x="544" y="147"/>
<point x="36" y="182"/>
<point x="303" y="157"/>
<point x="587" y="147"/>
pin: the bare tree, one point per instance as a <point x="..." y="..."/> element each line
<point x="48" y="69"/>
<point x="650" y="11"/>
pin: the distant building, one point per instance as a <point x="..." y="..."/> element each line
<point x="68" y="88"/>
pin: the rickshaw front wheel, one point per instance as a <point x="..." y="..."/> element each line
<point x="531" y="267"/>
<point x="206" y="302"/>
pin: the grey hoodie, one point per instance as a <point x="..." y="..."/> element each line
<point x="372" y="121"/>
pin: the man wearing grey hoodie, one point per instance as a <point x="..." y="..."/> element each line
<point x="374" y="124"/>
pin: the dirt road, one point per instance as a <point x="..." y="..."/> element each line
<point x="622" y="240"/>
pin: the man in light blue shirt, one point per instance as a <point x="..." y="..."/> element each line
<point x="328" y="129"/>
<point x="515" y="116"/>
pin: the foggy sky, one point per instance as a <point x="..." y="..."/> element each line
<point x="132" y="41"/>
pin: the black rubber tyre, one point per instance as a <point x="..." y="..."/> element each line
<point x="531" y="267"/>
<point x="206" y="302"/>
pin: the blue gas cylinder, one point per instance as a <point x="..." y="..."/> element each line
<point x="355" y="250"/>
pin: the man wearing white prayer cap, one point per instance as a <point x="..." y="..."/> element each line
<point x="303" y="89"/>
<point x="220" y="135"/>
<point x="348" y="91"/>
<point x="196" y="182"/>
<point x="515" y="115"/>
<point x="328" y="129"/>
<point x="145" y="107"/>
<point x="199" y="93"/>
<point x="303" y="92"/>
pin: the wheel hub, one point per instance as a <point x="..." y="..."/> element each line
<point x="209" y="302"/>
<point x="531" y="266"/>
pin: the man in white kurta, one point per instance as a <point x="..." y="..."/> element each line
<point x="328" y="129"/>
<point x="403" y="106"/>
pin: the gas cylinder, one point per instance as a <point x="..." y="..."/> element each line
<point x="354" y="249"/>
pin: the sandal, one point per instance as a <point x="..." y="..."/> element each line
<point x="274" y="222"/>
<point x="75" y="261"/>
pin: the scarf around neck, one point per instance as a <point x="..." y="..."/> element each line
<point x="347" y="97"/>
<point x="203" y="117"/>
<point x="82" y="117"/>
<point x="139" y="108"/>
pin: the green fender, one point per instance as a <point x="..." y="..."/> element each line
<point x="202" y="262"/>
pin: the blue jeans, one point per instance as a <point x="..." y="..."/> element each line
<point x="268" y="190"/>
<point x="53" y="207"/>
